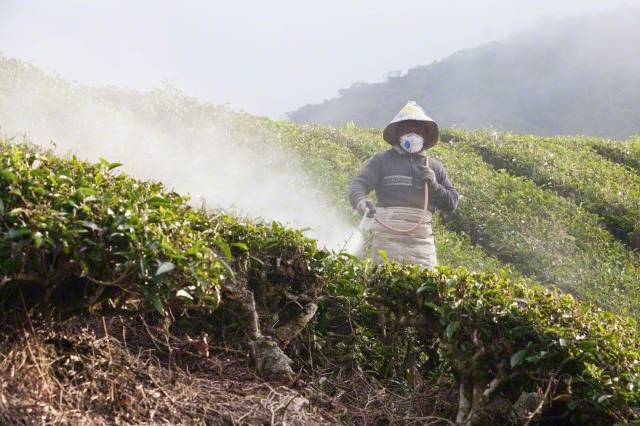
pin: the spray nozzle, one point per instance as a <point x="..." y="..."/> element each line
<point x="368" y="209"/>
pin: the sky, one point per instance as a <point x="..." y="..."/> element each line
<point x="263" y="57"/>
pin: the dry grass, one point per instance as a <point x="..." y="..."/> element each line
<point x="365" y="401"/>
<point x="121" y="371"/>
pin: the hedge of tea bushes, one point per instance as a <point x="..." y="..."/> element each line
<point x="75" y="234"/>
<point x="496" y="335"/>
<point x="626" y="152"/>
<point x="570" y="167"/>
<point x="542" y="234"/>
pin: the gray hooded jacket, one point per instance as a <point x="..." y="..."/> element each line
<point x="398" y="181"/>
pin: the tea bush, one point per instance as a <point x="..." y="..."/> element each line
<point x="498" y="336"/>
<point x="74" y="234"/>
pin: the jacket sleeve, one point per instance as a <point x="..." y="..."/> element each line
<point x="365" y="182"/>
<point x="442" y="194"/>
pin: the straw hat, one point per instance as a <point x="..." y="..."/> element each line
<point x="414" y="114"/>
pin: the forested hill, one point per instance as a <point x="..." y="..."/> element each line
<point x="573" y="76"/>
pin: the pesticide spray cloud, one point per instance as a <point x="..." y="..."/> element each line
<point x="222" y="159"/>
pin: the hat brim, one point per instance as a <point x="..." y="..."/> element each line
<point x="427" y="129"/>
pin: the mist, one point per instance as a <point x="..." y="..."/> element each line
<point x="266" y="58"/>
<point x="564" y="76"/>
<point x="166" y="136"/>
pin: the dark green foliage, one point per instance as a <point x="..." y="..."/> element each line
<point x="485" y="327"/>
<point x="75" y="233"/>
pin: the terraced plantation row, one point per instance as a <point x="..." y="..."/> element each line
<point x="626" y="153"/>
<point x="526" y="224"/>
<point x="546" y="236"/>
<point x="573" y="168"/>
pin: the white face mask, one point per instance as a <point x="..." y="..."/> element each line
<point x="412" y="142"/>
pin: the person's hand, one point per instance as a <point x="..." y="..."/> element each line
<point x="366" y="206"/>
<point x="427" y="174"/>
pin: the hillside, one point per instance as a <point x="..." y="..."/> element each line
<point x="567" y="227"/>
<point x="570" y="76"/>
<point x="173" y="283"/>
<point x="104" y="273"/>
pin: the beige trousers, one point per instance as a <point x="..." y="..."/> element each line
<point x="417" y="247"/>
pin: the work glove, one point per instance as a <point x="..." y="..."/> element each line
<point x="366" y="206"/>
<point x="427" y="174"/>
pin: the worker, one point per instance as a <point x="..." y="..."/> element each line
<point x="403" y="226"/>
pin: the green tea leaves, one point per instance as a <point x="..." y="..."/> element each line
<point x="517" y="358"/>
<point x="451" y="329"/>
<point x="164" y="268"/>
<point x="8" y="176"/>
